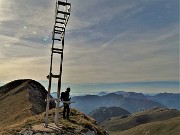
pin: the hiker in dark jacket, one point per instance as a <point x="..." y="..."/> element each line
<point x="65" y="97"/>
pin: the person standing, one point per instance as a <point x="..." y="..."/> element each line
<point x="66" y="101"/>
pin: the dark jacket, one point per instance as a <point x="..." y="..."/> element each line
<point x="66" y="96"/>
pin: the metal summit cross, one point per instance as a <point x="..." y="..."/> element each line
<point x="62" y="14"/>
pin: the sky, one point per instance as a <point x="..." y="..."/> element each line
<point x="106" y="41"/>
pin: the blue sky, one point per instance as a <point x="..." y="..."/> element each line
<point x="107" y="41"/>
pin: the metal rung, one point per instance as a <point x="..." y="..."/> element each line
<point x="57" y="39"/>
<point x="58" y="31"/>
<point x="54" y="76"/>
<point x="59" y="27"/>
<point x="56" y="50"/>
<point x="60" y="22"/>
<point x="63" y="3"/>
<point x="61" y="12"/>
<point x="58" y="53"/>
<point x="60" y="18"/>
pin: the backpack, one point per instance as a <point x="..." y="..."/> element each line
<point x="62" y="96"/>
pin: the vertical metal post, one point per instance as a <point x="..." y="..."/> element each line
<point x="59" y="87"/>
<point x="59" y="28"/>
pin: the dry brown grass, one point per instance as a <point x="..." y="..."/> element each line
<point x="14" y="109"/>
<point x="19" y="100"/>
<point x="118" y="125"/>
<point x="167" y="127"/>
<point x="77" y="121"/>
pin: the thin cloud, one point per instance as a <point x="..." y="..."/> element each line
<point x="106" y="41"/>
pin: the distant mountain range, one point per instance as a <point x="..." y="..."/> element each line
<point x="168" y="99"/>
<point x="130" y="101"/>
<point x="91" y="102"/>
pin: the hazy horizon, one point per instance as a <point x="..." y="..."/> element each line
<point x="139" y="87"/>
<point x="94" y="88"/>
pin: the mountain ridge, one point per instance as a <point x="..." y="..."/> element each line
<point x="103" y="113"/>
<point x="21" y="98"/>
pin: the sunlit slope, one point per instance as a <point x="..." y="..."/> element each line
<point x="119" y="124"/>
<point x="20" y="99"/>
<point x="166" y="127"/>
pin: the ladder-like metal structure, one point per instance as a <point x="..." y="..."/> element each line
<point x="62" y="14"/>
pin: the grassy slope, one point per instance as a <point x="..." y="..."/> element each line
<point x="19" y="100"/>
<point x="14" y="107"/>
<point x="167" y="127"/>
<point x="119" y="124"/>
<point x="78" y="121"/>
